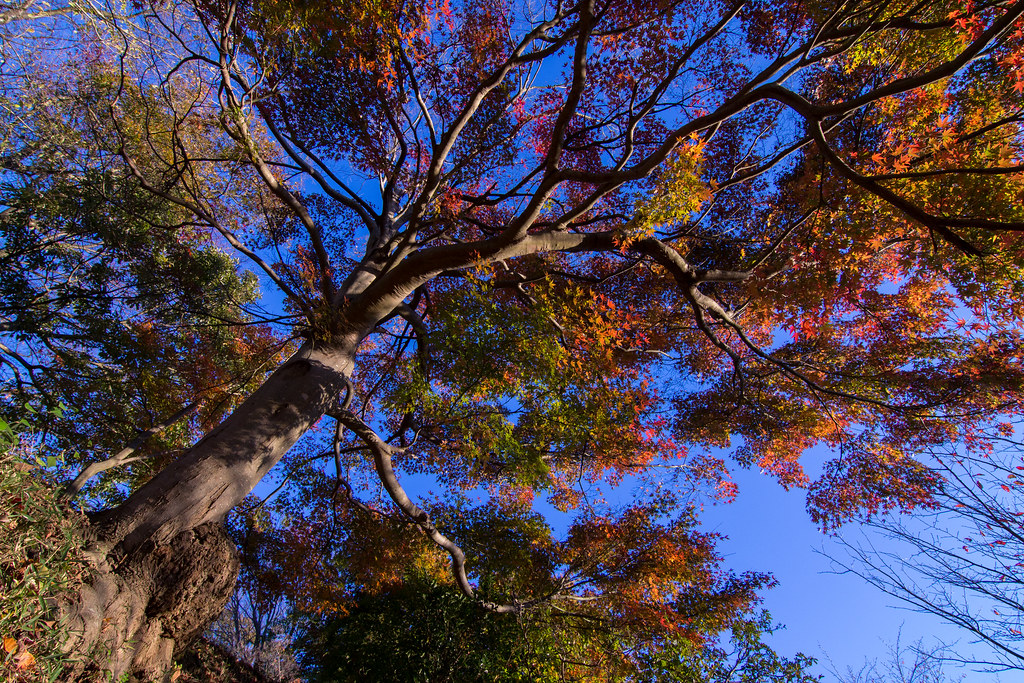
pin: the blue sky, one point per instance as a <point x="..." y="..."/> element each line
<point x="837" y="618"/>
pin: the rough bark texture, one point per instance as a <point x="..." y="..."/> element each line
<point x="133" y="617"/>
<point x="164" y="566"/>
<point x="220" y="470"/>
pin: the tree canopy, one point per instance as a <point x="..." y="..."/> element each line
<point x="551" y="260"/>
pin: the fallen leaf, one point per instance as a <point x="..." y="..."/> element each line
<point x="24" y="660"/>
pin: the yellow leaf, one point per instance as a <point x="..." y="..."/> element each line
<point x="24" y="660"/>
<point x="10" y="644"/>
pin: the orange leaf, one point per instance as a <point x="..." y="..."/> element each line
<point x="10" y="644"/>
<point x="24" y="660"/>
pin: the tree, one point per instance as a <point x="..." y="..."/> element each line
<point x="422" y="631"/>
<point x="747" y="660"/>
<point x="108" y="297"/>
<point x="536" y="246"/>
<point x="962" y="561"/>
<point x="257" y="626"/>
<point x="911" y="664"/>
<point x="418" y="626"/>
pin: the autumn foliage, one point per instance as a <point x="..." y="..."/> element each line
<point x="561" y="266"/>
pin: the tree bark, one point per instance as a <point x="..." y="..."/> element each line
<point x="163" y="565"/>
<point x="133" y="618"/>
<point x="220" y="470"/>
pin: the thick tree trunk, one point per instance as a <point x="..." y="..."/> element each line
<point x="220" y="470"/>
<point x="164" y="566"/>
<point x="133" y="618"/>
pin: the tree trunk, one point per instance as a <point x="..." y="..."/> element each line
<point x="164" y="566"/>
<point x="133" y="618"/>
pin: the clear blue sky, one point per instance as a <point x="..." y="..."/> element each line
<point x="828" y="616"/>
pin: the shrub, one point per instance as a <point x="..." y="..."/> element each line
<point x="41" y="560"/>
